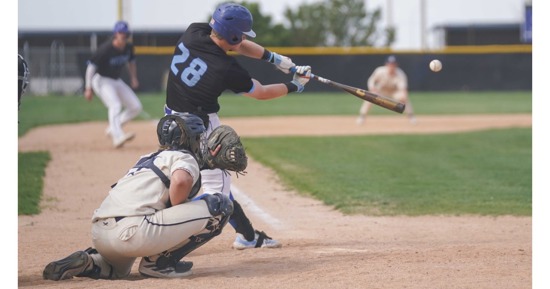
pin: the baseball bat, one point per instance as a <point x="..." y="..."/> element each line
<point x="379" y="100"/>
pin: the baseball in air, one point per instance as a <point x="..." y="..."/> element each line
<point x="435" y="65"/>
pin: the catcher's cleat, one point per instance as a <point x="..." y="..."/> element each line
<point x="149" y="268"/>
<point x="66" y="268"/>
<point x="261" y="240"/>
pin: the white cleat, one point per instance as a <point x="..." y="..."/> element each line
<point x="266" y="242"/>
<point x="360" y="120"/>
<point x="126" y="137"/>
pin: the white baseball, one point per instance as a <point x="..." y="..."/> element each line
<point x="435" y="65"/>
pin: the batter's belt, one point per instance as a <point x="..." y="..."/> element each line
<point x="198" y="112"/>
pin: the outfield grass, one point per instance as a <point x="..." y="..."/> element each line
<point x="45" y="110"/>
<point x="487" y="173"/>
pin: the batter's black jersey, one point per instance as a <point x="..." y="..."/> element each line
<point x="201" y="71"/>
<point x="110" y="61"/>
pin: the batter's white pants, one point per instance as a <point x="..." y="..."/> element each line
<point x="116" y="94"/>
<point x="120" y="243"/>
<point x="215" y="181"/>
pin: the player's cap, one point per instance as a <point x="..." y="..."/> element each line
<point x="121" y="27"/>
<point x="391" y="59"/>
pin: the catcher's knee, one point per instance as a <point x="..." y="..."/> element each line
<point x="218" y="204"/>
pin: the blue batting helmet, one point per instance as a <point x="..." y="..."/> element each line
<point x="121" y="27"/>
<point x="231" y="21"/>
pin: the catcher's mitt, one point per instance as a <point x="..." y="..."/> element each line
<point x="231" y="156"/>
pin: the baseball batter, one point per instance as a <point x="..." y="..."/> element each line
<point x="152" y="212"/>
<point x="201" y="70"/>
<point x="103" y="77"/>
<point x="391" y="81"/>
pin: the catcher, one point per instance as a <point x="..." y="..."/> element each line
<point x="153" y="211"/>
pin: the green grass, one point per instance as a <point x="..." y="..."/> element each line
<point x="346" y="104"/>
<point x="485" y="173"/>
<point x="31" y="170"/>
<point x="46" y="110"/>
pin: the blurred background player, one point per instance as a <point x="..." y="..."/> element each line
<point x="391" y="81"/>
<point x="201" y="70"/>
<point x="103" y="76"/>
<point x="22" y="78"/>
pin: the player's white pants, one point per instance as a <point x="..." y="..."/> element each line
<point x="116" y="94"/>
<point x="215" y="181"/>
<point x="120" y="243"/>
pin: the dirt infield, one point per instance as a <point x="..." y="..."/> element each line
<point x="321" y="247"/>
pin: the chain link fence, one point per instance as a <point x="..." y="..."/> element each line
<point x="56" y="69"/>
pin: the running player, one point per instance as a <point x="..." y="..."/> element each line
<point x="201" y="70"/>
<point x="103" y="76"/>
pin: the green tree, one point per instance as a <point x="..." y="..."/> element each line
<point x="322" y="23"/>
<point x="336" y="23"/>
<point x="267" y="33"/>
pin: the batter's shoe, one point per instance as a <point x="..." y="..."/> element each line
<point x="149" y="268"/>
<point x="261" y="240"/>
<point x="66" y="268"/>
<point x="126" y="137"/>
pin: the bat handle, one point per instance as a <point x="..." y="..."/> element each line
<point x="293" y="70"/>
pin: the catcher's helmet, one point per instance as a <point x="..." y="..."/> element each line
<point x="231" y="21"/>
<point x="181" y="132"/>
<point x="23" y="76"/>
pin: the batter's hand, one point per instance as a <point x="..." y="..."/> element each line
<point x="301" y="76"/>
<point x="88" y="94"/>
<point x="282" y="62"/>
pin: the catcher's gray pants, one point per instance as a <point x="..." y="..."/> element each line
<point x="120" y="243"/>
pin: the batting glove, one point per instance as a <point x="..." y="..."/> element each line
<point x="282" y="62"/>
<point x="302" y="75"/>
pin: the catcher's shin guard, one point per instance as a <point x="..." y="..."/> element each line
<point x="241" y="223"/>
<point x="219" y="206"/>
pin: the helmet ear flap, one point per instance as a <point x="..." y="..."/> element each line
<point x="179" y="131"/>
<point x="167" y="132"/>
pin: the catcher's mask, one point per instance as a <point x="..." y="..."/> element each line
<point x="181" y="132"/>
